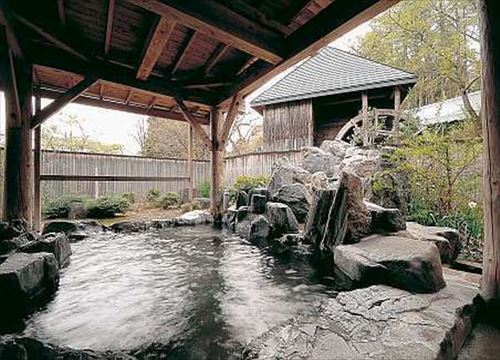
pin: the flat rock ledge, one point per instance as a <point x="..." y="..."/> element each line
<point x="378" y="322"/>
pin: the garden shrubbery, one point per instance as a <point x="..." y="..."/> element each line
<point x="60" y="207"/>
<point x="170" y="199"/>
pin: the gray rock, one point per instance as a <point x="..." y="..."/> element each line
<point x="12" y="229"/>
<point x="362" y="165"/>
<point x="259" y="191"/>
<point x="128" y="227"/>
<point x="319" y="180"/>
<point x="314" y="159"/>
<point x="260" y="230"/>
<point x="159" y="224"/>
<point x="359" y="218"/>
<point x="11" y="245"/>
<point x="258" y="203"/>
<point x="26" y="280"/>
<point x="281" y="219"/>
<point x="229" y="219"/>
<point x="385" y="220"/>
<point x="241" y="199"/>
<point x="65" y="226"/>
<point x="318" y="215"/>
<point x="77" y="211"/>
<point x="446" y="239"/>
<point x="337" y="148"/>
<point x="297" y="197"/>
<point x="195" y="217"/>
<point x="290" y="243"/>
<point x="54" y="243"/>
<point x="283" y="173"/>
<point x="242" y="212"/>
<point x="201" y="203"/>
<point x="396" y="261"/>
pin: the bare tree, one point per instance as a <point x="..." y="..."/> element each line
<point x="141" y="134"/>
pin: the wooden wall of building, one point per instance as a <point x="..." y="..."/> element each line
<point x="288" y="126"/>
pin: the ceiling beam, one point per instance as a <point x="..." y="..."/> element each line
<point x="109" y="26"/>
<point x="219" y="51"/>
<point x="61" y="101"/>
<point x="61" y="14"/>
<point x="196" y="126"/>
<point x="155" y="43"/>
<point x="228" y="26"/>
<point x="10" y="27"/>
<point x="336" y="20"/>
<point x="182" y="52"/>
<point x="251" y="60"/>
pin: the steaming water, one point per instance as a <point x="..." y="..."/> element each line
<point x="176" y="291"/>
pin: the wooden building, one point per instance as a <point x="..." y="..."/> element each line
<point x="324" y="96"/>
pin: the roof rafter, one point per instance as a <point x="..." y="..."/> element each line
<point x="219" y="51"/>
<point x="182" y="52"/>
<point x="196" y="126"/>
<point x="228" y="26"/>
<point x="109" y="26"/>
<point x="157" y="40"/>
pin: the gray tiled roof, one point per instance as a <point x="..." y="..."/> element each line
<point x="332" y="71"/>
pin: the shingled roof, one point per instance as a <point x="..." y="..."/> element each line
<point x="333" y="71"/>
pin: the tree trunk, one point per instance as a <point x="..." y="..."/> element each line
<point x="489" y="13"/>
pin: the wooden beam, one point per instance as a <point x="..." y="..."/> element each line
<point x="251" y="60"/>
<point x="214" y="58"/>
<point x="61" y="13"/>
<point x="37" y="166"/>
<point x="129" y="96"/>
<point x="57" y="177"/>
<point x="230" y="117"/>
<point x="62" y="101"/>
<point x="122" y="106"/>
<point x="182" y="52"/>
<point x="339" y="18"/>
<point x="489" y="13"/>
<point x="217" y="168"/>
<point x="109" y="26"/>
<point x="7" y="20"/>
<point x="191" y="120"/>
<point x="190" y="166"/>
<point x="228" y="26"/>
<point x="157" y="40"/>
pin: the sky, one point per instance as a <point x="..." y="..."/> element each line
<point x="110" y="126"/>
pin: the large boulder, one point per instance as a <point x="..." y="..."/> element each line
<point x="55" y="243"/>
<point x="385" y="220"/>
<point x="314" y="159"/>
<point x="359" y="218"/>
<point x="26" y="280"/>
<point x="258" y="203"/>
<point x="11" y="245"/>
<point x="12" y="229"/>
<point x="446" y="239"/>
<point x="391" y="260"/>
<point x="195" y="217"/>
<point x="258" y="191"/>
<point x="241" y="199"/>
<point x="229" y="219"/>
<point x="128" y="227"/>
<point x="363" y="165"/>
<point x="297" y="197"/>
<point x="281" y="219"/>
<point x="337" y="148"/>
<point x="319" y="215"/>
<point x="260" y="230"/>
<point x="75" y="229"/>
<point x="283" y="173"/>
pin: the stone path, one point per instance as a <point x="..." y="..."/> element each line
<point x="378" y="322"/>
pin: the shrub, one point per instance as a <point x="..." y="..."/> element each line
<point x="130" y="197"/>
<point x="169" y="199"/>
<point x="247" y="182"/>
<point x="60" y="207"/>
<point x="107" y="206"/>
<point x="153" y="195"/>
<point x="204" y="189"/>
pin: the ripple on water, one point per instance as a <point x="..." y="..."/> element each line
<point x="174" y="287"/>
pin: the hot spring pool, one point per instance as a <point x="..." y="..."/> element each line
<point x="175" y="291"/>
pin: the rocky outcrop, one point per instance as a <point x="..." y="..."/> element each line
<point x="337" y="148"/>
<point x="284" y="173"/>
<point x="75" y="229"/>
<point x="26" y="280"/>
<point x="128" y="227"/>
<point x="10" y="245"/>
<point x="258" y="203"/>
<point x="281" y="219"/>
<point x="385" y="220"/>
<point x="55" y="243"/>
<point x="260" y="230"/>
<point x="318" y="216"/>
<point x="195" y="217"/>
<point x="446" y="239"/>
<point x="314" y="159"/>
<point x="229" y="219"/>
<point x="297" y="197"/>
<point x="396" y="261"/>
<point x="359" y="218"/>
<point x="12" y="229"/>
<point x="241" y="199"/>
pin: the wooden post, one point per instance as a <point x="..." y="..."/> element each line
<point x="397" y="105"/>
<point x="16" y="77"/>
<point x="217" y="167"/>
<point x="190" y="165"/>
<point x="37" y="201"/>
<point x="489" y="13"/>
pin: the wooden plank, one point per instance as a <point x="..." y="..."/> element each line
<point x="154" y="46"/>
<point x="62" y="101"/>
<point x="109" y="26"/>
<point x="489" y="13"/>
<point x="247" y="64"/>
<point x="37" y="194"/>
<point x="182" y="52"/>
<point x="57" y="177"/>
<point x="192" y="121"/>
<point x="228" y="26"/>
<point x="230" y="117"/>
<point x="214" y="58"/>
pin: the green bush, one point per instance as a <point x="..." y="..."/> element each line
<point x="204" y="189"/>
<point x="153" y="195"/>
<point x="130" y="197"/>
<point x="59" y="207"/>
<point x="169" y="199"/>
<point x="247" y="182"/>
<point x="107" y="206"/>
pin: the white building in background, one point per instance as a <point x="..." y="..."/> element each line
<point x="447" y="111"/>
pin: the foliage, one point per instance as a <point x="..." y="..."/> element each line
<point x="204" y="189"/>
<point x="152" y="195"/>
<point x="107" y="206"/>
<point x="68" y="134"/>
<point x="366" y="133"/>
<point x="130" y="197"/>
<point x="246" y="182"/>
<point x="169" y="199"/>
<point x="246" y="133"/>
<point x="438" y="40"/>
<point x="60" y="207"/>
<point x="168" y="139"/>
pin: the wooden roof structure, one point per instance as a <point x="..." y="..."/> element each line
<point x="142" y="55"/>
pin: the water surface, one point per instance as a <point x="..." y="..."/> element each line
<point x="177" y="291"/>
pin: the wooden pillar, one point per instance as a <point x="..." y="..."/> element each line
<point x="217" y="167"/>
<point x="18" y="186"/>
<point x="397" y="105"/>
<point x="190" y="165"/>
<point x="364" y="112"/>
<point x="489" y="15"/>
<point x="37" y="199"/>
